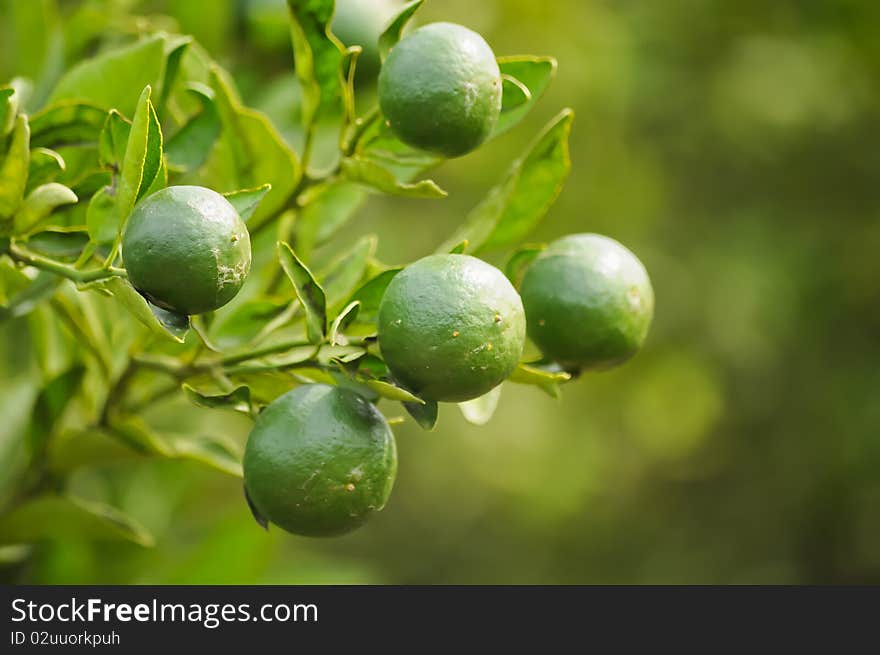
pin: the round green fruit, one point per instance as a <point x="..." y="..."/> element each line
<point x="451" y="327"/>
<point x="440" y="89"/>
<point x="588" y="302"/>
<point x="186" y="249"/>
<point x="319" y="461"/>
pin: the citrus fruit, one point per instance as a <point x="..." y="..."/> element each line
<point x="361" y="22"/>
<point x="440" y="89"/>
<point x="186" y="249"/>
<point x="319" y="461"/>
<point x="588" y="302"/>
<point x="451" y="327"/>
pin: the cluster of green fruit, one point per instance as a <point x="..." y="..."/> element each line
<point x="451" y="327"/>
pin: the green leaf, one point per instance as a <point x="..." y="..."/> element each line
<point x="50" y="404"/>
<point x="246" y="201"/>
<point x="343" y="320"/>
<point x="113" y="140"/>
<point x="67" y="122"/>
<point x="309" y="292"/>
<point x="425" y="414"/>
<point x="326" y="209"/>
<point x="371" y="293"/>
<point x="175" y="47"/>
<point x="59" y="243"/>
<point x="69" y="517"/>
<point x="392" y="392"/>
<point x="347" y="66"/>
<point x="548" y="381"/>
<point x="479" y="411"/>
<point x="371" y="174"/>
<point x="519" y="261"/>
<point x="316" y="57"/>
<point x="237" y="400"/>
<point x="459" y="249"/>
<point x="389" y="38"/>
<point x="513" y="208"/>
<point x="514" y="93"/>
<point x="191" y="145"/>
<point x="14" y="169"/>
<point x="102" y="216"/>
<point x="45" y="166"/>
<point x="250" y="152"/>
<point x="26" y="300"/>
<point x="161" y="322"/>
<point x="211" y="452"/>
<point x="347" y="271"/>
<point x="40" y="203"/>
<point x="143" y="157"/>
<point x="113" y="79"/>
<point x="8" y="109"/>
<point x="245" y="322"/>
<point x="535" y="74"/>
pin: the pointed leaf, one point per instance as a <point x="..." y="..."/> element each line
<point x="143" y="156"/>
<point x="191" y="145"/>
<point x="45" y="166"/>
<point x="238" y="400"/>
<point x="326" y="209"/>
<point x="535" y="74"/>
<point x="479" y="411"/>
<point x="50" y="404"/>
<point x="459" y="249"/>
<point x="309" y="292"/>
<point x="343" y="320"/>
<point x="316" y="56"/>
<point x="102" y="216"/>
<point x="113" y="140"/>
<point x="8" y="109"/>
<point x="519" y="261"/>
<point x="373" y="175"/>
<point x="164" y="323"/>
<point x="246" y="201"/>
<point x="69" y="517"/>
<point x="548" y="381"/>
<point x="514" y="93"/>
<point x="394" y="31"/>
<point x="40" y="203"/>
<point x="14" y="168"/>
<point x="347" y="271"/>
<point x="60" y="243"/>
<point x="371" y="293"/>
<point x="392" y="392"/>
<point x="67" y="122"/>
<point x="425" y="414"/>
<point x="513" y="208"/>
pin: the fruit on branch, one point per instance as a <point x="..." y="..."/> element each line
<point x="440" y="89"/>
<point x="451" y="327"/>
<point x="588" y="302"/>
<point x="186" y="249"/>
<point x="319" y="461"/>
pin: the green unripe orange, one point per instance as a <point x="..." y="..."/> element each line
<point x="451" y="327"/>
<point x="319" y="461"/>
<point x="440" y="89"/>
<point x="186" y="249"/>
<point x="588" y="301"/>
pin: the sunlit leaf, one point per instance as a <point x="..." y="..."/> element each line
<point x="164" y="323"/>
<point x="14" y="169"/>
<point x="533" y="73"/>
<point x="309" y="292"/>
<point x="513" y="208"/>
<point x="246" y="201"/>
<point x="479" y="411"/>
<point x="371" y="293"/>
<point x="45" y="166"/>
<point x="374" y="176"/>
<point x="394" y="31"/>
<point x="343" y="320"/>
<point x="113" y="140"/>
<point x="143" y="156"/>
<point x="40" y="203"/>
<point x="548" y="381"/>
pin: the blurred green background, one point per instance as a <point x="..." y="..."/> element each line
<point x="734" y="147"/>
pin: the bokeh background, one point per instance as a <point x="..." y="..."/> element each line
<point x="735" y="148"/>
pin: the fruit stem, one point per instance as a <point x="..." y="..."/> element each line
<point x="24" y="256"/>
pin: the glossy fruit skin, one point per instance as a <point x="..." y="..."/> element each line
<point x="451" y="327"/>
<point x="186" y="249"/>
<point x="588" y="301"/>
<point x="319" y="461"/>
<point x="440" y="89"/>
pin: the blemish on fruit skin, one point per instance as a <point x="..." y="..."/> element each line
<point x="542" y="322"/>
<point x="489" y="346"/>
<point x="349" y="487"/>
<point x="234" y="238"/>
<point x="497" y="318"/>
<point x="455" y="333"/>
